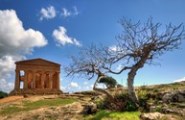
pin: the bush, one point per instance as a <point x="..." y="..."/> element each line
<point x="3" y="94"/>
<point x="120" y="102"/>
<point x="131" y="106"/>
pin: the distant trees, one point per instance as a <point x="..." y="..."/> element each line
<point x="137" y="45"/>
<point x="3" y="94"/>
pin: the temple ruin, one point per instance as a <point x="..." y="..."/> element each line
<point x="37" y="76"/>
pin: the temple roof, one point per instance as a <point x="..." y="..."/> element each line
<point x="37" y="61"/>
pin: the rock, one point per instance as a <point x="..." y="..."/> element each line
<point x="25" y="96"/>
<point x="176" y="111"/>
<point x="151" y="116"/>
<point x="152" y="108"/>
<point x="177" y="96"/>
<point x="90" y="108"/>
<point x="181" y="98"/>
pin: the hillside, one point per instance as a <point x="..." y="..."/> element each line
<point x="162" y="100"/>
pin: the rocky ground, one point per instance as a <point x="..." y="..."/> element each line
<point x="164" y="102"/>
<point x="167" y="103"/>
<point x="66" y="112"/>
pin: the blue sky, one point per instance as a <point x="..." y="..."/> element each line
<point x="77" y="24"/>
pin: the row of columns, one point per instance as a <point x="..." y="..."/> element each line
<point x="42" y="78"/>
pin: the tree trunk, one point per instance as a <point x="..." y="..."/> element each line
<point x="101" y="90"/>
<point x="131" y="76"/>
<point x="130" y="82"/>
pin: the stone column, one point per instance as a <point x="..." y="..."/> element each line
<point x="43" y="77"/>
<point x="26" y="80"/>
<point x="50" y="80"/>
<point x="17" y="80"/>
<point x="58" y="80"/>
<point x="34" y="76"/>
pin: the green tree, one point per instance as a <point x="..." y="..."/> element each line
<point x="3" y="94"/>
<point x="109" y="82"/>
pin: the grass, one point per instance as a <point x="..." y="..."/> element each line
<point x="10" y="110"/>
<point x="48" y="102"/>
<point x="165" y="87"/>
<point x="107" y="115"/>
<point x="27" y="105"/>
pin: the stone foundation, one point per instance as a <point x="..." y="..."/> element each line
<point x="36" y="92"/>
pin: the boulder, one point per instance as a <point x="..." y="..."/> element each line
<point x="151" y="116"/>
<point x="177" y="96"/>
<point x="90" y="108"/>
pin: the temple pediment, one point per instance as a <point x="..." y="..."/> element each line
<point x="37" y="61"/>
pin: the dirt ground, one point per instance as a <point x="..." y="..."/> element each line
<point x="66" y="112"/>
<point x="10" y="99"/>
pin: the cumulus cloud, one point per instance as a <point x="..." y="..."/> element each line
<point x="14" y="39"/>
<point x="6" y="86"/>
<point x="15" y="43"/>
<point x="74" y="85"/>
<point x="47" y="13"/>
<point x="66" y="13"/>
<point x="61" y="37"/>
<point x="180" y="80"/>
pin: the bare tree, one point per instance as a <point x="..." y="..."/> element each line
<point x="89" y="63"/>
<point x="140" y="44"/>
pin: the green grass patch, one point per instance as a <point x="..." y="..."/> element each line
<point x="10" y="110"/>
<point x="48" y="102"/>
<point x="108" y="115"/>
<point x="27" y="105"/>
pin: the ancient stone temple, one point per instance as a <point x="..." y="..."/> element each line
<point x="37" y="76"/>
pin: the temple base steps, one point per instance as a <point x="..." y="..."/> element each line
<point x="36" y="92"/>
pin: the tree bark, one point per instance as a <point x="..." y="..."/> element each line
<point x="132" y="74"/>
<point x="130" y="82"/>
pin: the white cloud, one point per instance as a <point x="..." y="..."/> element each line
<point x="91" y="86"/>
<point x="114" y="48"/>
<point x="101" y="85"/>
<point x="74" y="85"/>
<point x="14" y="39"/>
<point x="15" y="43"/>
<point x="47" y="13"/>
<point x="76" y="12"/>
<point x="6" y="86"/>
<point x="119" y="67"/>
<point x="62" y="38"/>
<point x="6" y="64"/>
<point x="67" y="13"/>
<point x="63" y="88"/>
<point x="85" y="83"/>
<point x="180" y="80"/>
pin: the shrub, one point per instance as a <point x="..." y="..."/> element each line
<point x="109" y="82"/>
<point x="3" y="94"/>
<point x="120" y="102"/>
